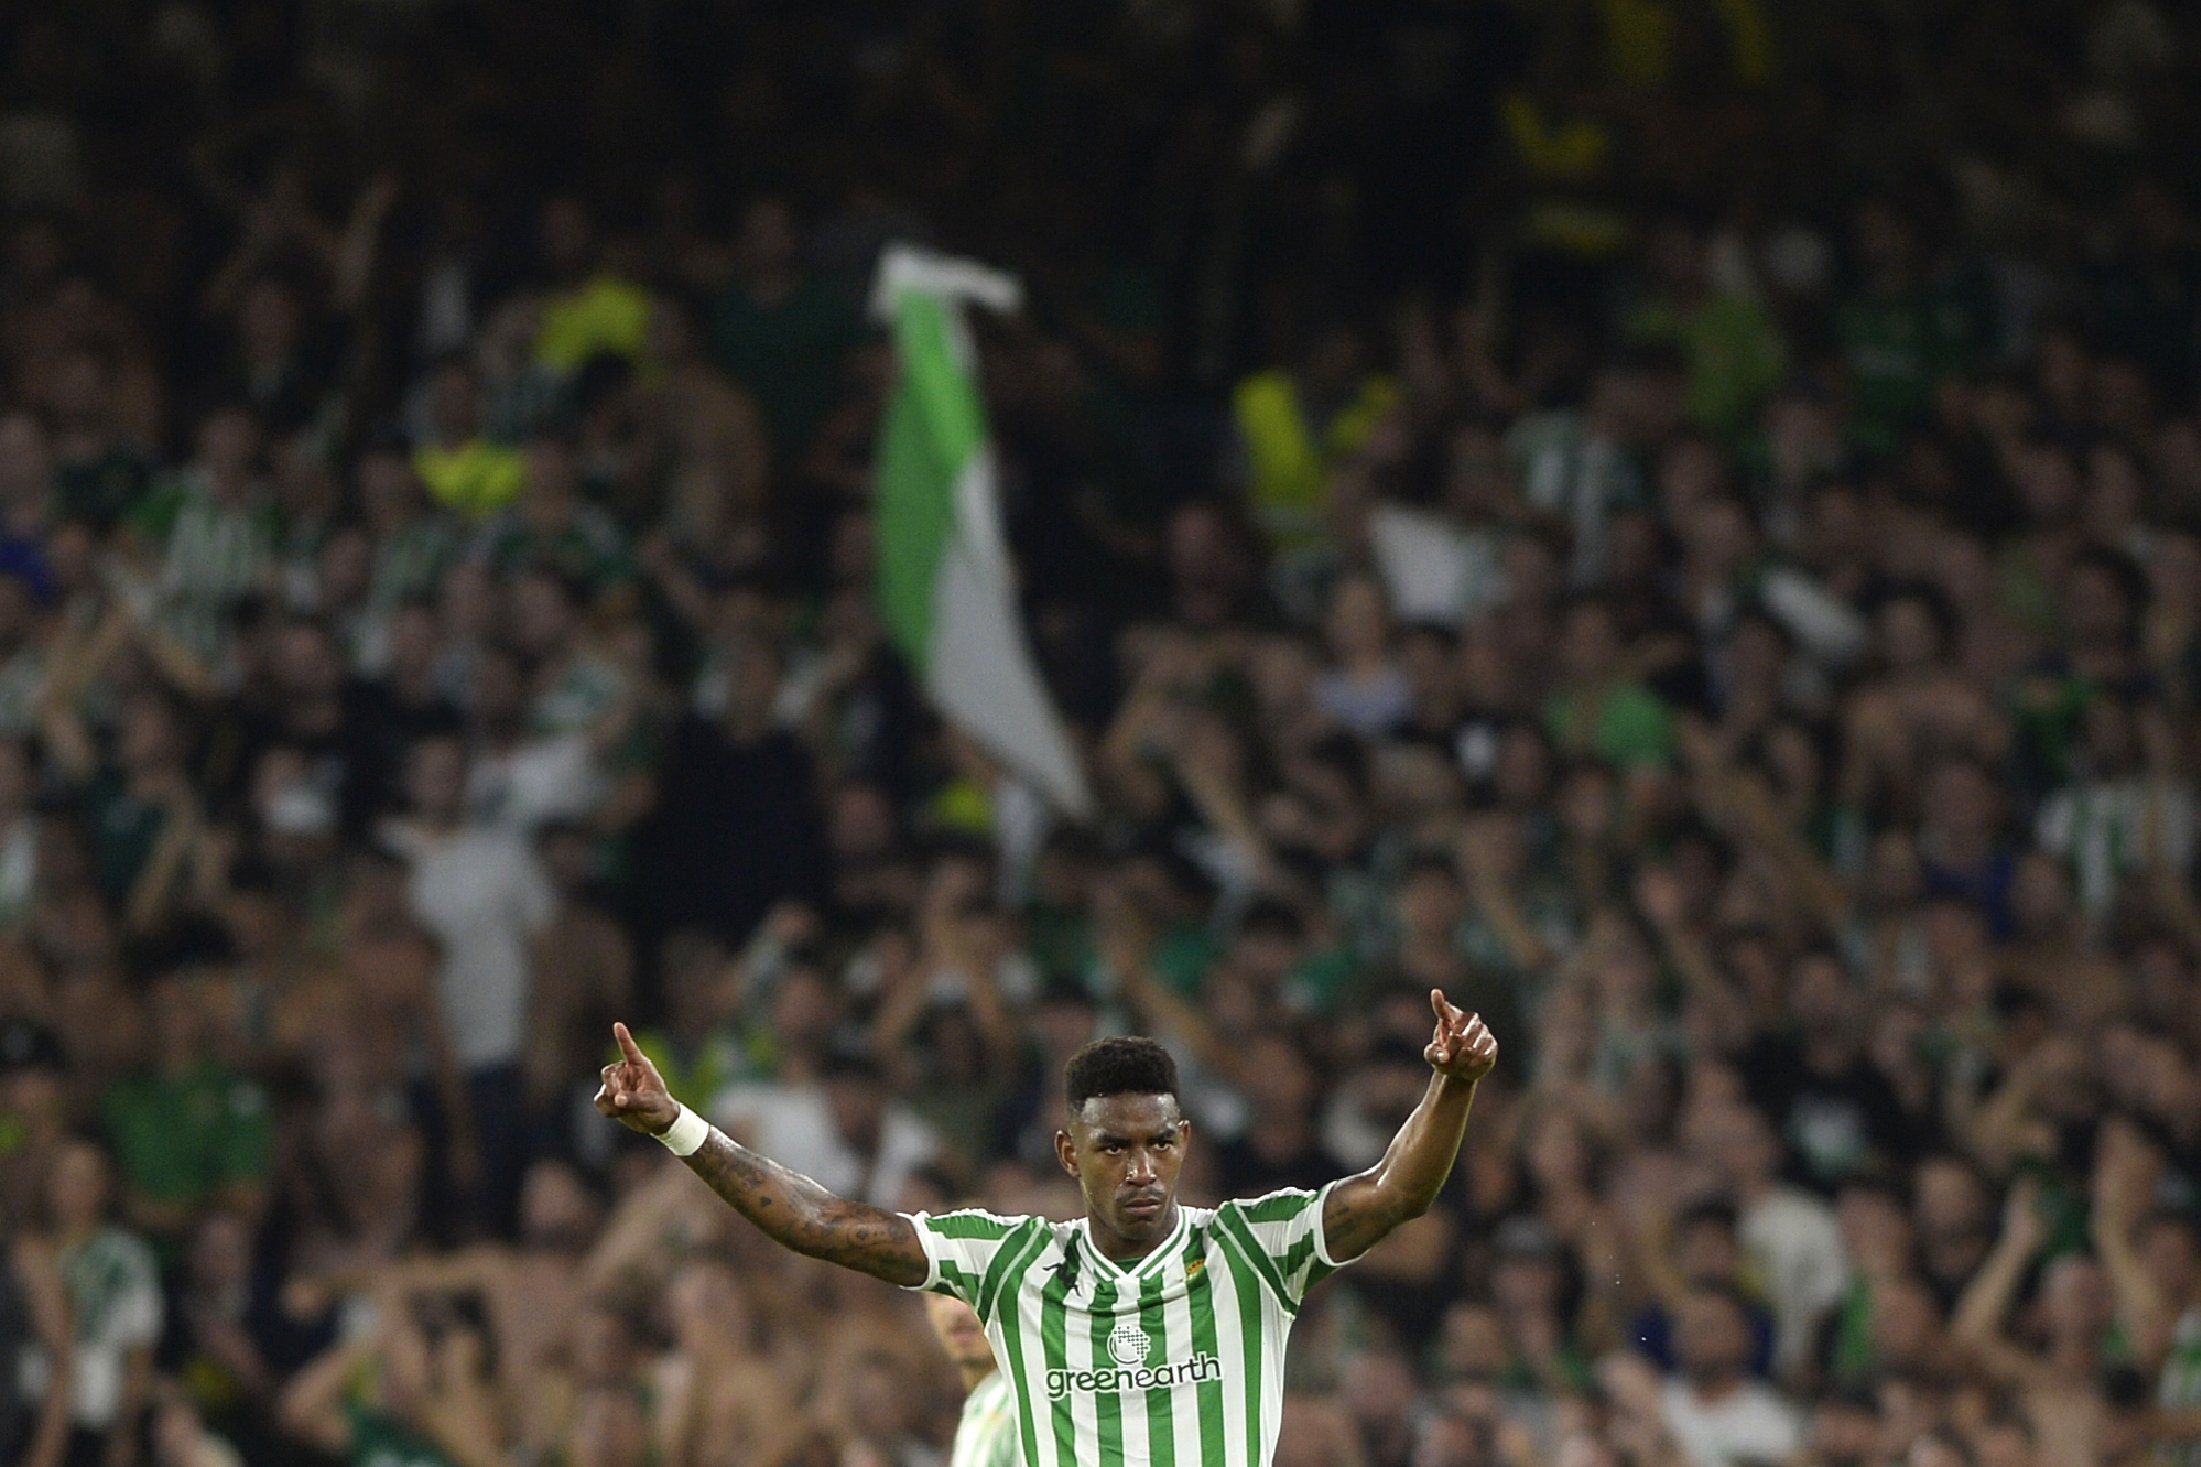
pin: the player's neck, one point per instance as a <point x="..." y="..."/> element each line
<point x="974" y="1376"/>
<point x="1116" y="1248"/>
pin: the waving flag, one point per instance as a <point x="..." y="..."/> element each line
<point x="946" y="586"/>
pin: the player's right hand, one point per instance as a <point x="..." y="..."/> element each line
<point x="1462" y="1047"/>
<point x="633" y="1093"/>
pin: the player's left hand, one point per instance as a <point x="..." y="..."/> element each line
<point x="1463" y="1048"/>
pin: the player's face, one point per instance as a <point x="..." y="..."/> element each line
<point x="960" y="1334"/>
<point x="1126" y="1152"/>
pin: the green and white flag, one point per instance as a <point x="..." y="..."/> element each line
<point x="946" y="586"/>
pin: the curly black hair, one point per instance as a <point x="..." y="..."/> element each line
<point x="1125" y="1065"/>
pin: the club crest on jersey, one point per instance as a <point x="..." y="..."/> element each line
<point x="1128" y="1345"/>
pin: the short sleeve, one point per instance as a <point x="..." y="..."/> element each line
<point x="968" y="1251"/>
<point x="1283" y="1230"/>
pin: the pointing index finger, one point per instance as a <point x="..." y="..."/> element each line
<point x="627" y="1045"/>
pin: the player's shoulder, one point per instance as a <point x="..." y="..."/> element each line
<point x="1200" y="1217"/>
<point x="1282" y="1205"/>
<point x="977" y="1223"/>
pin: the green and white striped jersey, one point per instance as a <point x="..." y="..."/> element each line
<point x="1175" y="1360"/>
<point x="986" y="1434"/>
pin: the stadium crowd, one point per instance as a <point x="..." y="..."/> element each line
<point x="1675" y="521"/>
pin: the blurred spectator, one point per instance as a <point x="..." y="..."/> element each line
<point x="1791" y="1241"/>
<point x="583" y="979"/>
<point x="1283" y="1148"/>
<point x="210" y="532"/>
<point x="180" y="1439"/>
<point x="462" y="469"/>
<point x="226" y="1341"/>
<point x="425" y="1398"/>
<point x="1297" y="423"/>
<point x="1835" y="1108"/>
<point x="482" y="895"/>
<point x="1716" y="1413"/>
<point x="1703" y="1255"/>
<point x="843" y="1126"/>
<point x="114" y="1302"/>
<point x="586" y="308"/>
<point x="99" y="473"/>
<point x="187" y="1131"/>
<point x="36" y="1333"/>
<point x="719" y="781"/>
<point x="782" y="333"/>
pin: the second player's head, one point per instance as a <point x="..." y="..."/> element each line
<point x="955" y="1324"/>
<point x="1125" y="1135"/>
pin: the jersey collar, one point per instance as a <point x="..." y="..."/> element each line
<point x="1139" y="1266"/>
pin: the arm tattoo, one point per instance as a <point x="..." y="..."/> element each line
<point x="797" y="1213"/>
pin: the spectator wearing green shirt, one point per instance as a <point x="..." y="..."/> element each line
<point x="781" y="332"/>
<point x="1599" y="710"/>
<point x="414" y="1393"/>
<point x="98" y="473"/>
<point x="140" y="808"/>
<point x="186" y="1131"/>
<point x="1898" y="339"/>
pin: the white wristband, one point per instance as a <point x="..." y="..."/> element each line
<point x="686" y="1135"/>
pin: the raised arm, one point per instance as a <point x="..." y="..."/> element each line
<point x="1977" y="1325"/>
<point x="2122" y="1181"/>
<point x="312" y="1405"/>
<point x="786" y="1206"/>
<point x="1363" y="1210"/>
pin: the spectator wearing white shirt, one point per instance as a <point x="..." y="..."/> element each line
<point x="1363" y="688"/>
<point x="113" y="1288"/>
<point x="19" y="832"/>
<point x="483" y="896"/>
<point x="1717" y="1415"/>
<point x="1791" y="1241"/>
<point x="516" y="780"/>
